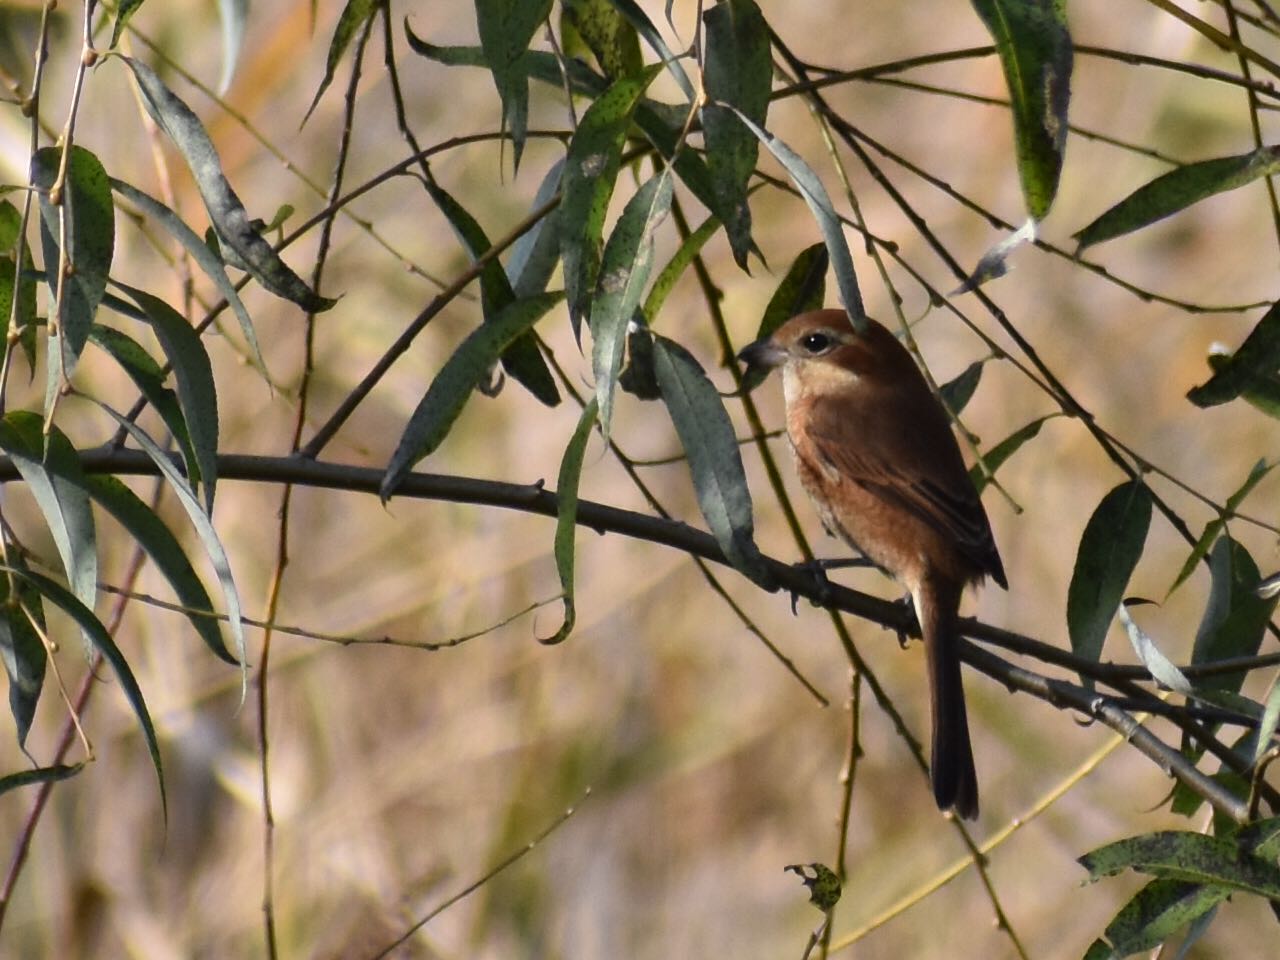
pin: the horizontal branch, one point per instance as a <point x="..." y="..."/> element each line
<point x="536" y="498"/>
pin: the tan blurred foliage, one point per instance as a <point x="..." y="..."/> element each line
<point x="399" y="776"/>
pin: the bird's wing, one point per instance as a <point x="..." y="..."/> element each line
<point x="937" y="491"/>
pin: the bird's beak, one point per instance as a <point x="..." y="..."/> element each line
<point x="762" y="356"/>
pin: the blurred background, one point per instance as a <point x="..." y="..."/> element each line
<point x="399" y="776"/>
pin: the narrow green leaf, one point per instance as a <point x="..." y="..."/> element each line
<point x="737" y="72"/>
<point x="1158" y="911"/>
<point x="124" y="11"/>
<point x="1002" y="451"/>
<point x="607" y="34"/>
<point x="39" y="775"/>
<point x="97" y="634"/>
<point x="535" y="254"/>
<point x="1267" y="727"/>
<point x="1257" y="360"/>
<point x="165" y="552"/>
<point x="567" y="516"/>
<point x="638" y="377"/>
<point x="22" y="651"/>
<point x="448" y="393"/>
<point x="644" y="26"/>
<point x="1158" y="665"/>
<point x="624" y="270"/>
<point x="957" y="393"/>
<point x="1216" y="525"/>
<point x="149" y="378"/>
<point x="706" y="433"/>
<point x="13" y="277"/>
<point x="205" y="258"/>
<point x="506" y="27"/>
<point x="665" y="282"/>
<point x="230" y="220"/>
<point x="661" y="124"/>
<point x="204" y="529"/>
<point x="193" y="372"/>
<point x="1235" y="618"/>
<point x="1185" y="856"/>
<point x="819" y="203"/>
<point x="591" y="169"/>
<point x="802" y="289"/>
<point x="85" y="203"/>
<point x="46" y="464"/>
<point x="1109" y="551"/>
<point x="354" y="16"/>
<point x="1178" y="189"/>
<point x="1035" y="50"/>
<point x="521" y="358"/>
<point x="1261" y="392"/>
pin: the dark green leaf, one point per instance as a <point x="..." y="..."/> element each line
<point x="804" y="288"/>
<point x="1101" y="950"/>
<point x="638" y="378"/>
<point x="22" y="650"/>
<point x="46" y="464"/>
<point x="738" y="73"/>
<point x="1158" y="911"/>
<point x="1262" y="392"/>
<point x="204" y="257"/>
<point x="624" y="270"/>
<point x="204" y="529"/>
<point x="662" y="124"/>
<point x="1178" y="189"/>
<point x="567" y="516"/>
<point x="85" y="203"/>
<point x="534" y="256"/>
<point x="197" y="394"/>
<point x="354" y="16"/>
<point x="591" y="170"/>
<point x="1036" y="54"/>
<point x="644" y="26"/>
<point x="230" y="219"/>
<point x="11" y="276"/>
<point x="1235" y="617"/>
<point x="448" y="393"/>
<point x="1257" y="360"/>
<point x="957" y="393"/>
<point x="607" y="35"/>
<point x="149" y="378"/>
<point x="676" y="266"/>
<point x="1109" y="551"/>
<point x="506" y="27"/>
<point x="815" y="195"/>
<point x="1002" y="451"/>
<point x="97" y="634"/>
<point x="124" y="11"/>
<point x="521" y="358"/>
<point x="38" y="775"/>
<point x="1216" y="525"/>
<point x="1191" y="857"/>
<point x="166" y="553"/>
<point x="711" y="447"/>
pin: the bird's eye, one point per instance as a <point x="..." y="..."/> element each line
<point x="816" y="343"/>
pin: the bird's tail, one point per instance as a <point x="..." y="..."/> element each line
<point x="955" y="782"/>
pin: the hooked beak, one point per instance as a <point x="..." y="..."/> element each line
<point x="763" y="355"/>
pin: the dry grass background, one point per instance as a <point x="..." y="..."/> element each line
<point x="399" y="775"/>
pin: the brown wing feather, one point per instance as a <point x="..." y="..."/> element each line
<point x="880" y="462"/>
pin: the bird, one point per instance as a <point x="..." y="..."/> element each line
<point x="875" y="452"/>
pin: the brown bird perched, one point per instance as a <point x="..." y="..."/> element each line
<point x="874" y="450"/>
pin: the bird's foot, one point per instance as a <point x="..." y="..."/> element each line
<point x="907" y="603"/>
<point x="817" y="569"/>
